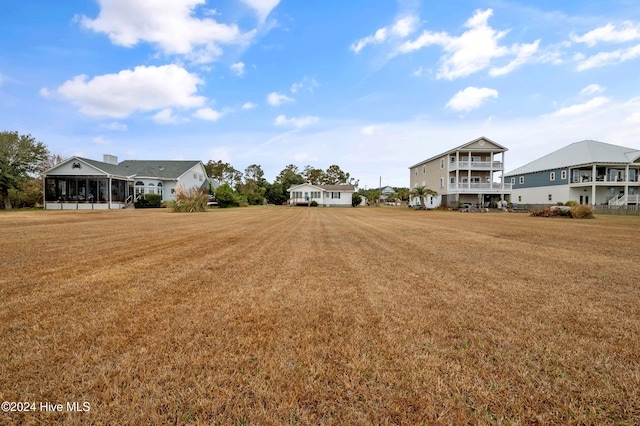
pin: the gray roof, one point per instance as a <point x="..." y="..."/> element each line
<point x="107" y="168"/>
<point x="580" y="153"/>
<point x="464" y="145"/>
<point x="162" y="169"/>
<point x="327" y="187"/>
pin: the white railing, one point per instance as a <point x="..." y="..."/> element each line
<point x="476" y="165"/>
<point x="479" y="187"/>
<point x="624" y="200"/>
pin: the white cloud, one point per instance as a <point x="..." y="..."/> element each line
<point x="238" y="68"/>
<point x="262" y="8"/>
<point x="249" y="105"/>
<point x="629" y="31"/>
<point x="309" y="83"/>
<point x="592" y="89"/>
<point x="607" y="58"/>
<point x="523" y="52"/>
<point x="168" y="24"/>
<point x="370" y="130"/>
<point x="473" y="50"/>
<point x="590" y="105"/>
<point x="402" y="28"/>
<point x="141" y="89"/>
<point x="633" y="118"/>
<point x="114" y="126"/>
<point x="166" y="116"/>
<point x="298" y="122"/>
<point x="471" y="98"/>
<point x="208" y="114"/>
<point x="277" y="99"/>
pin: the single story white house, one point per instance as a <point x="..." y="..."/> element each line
<point x="324" y="195"/>
<point x="84" y="184"/>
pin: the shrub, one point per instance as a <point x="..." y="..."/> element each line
<point x="190" y="201"/>
<point x="581" y="212"/>
<point x="313" y="203"/>
<point x="356" y="199"/>
<point x="571" y="203"/>
<point x="227" y="197"/>
<point x="154" y="200"/>
<point x="560" y="203"/>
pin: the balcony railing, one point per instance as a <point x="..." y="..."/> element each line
<point x="476" y="165"/>
<point x="604" y="179"/>
<point x="479" y="187"/>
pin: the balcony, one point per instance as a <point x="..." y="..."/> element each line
<point x="476" y="165"/>
<point x="479" y="188"/>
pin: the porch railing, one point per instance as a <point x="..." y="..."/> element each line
<point x="476" y="165"/>
<point x="480" y="187"/>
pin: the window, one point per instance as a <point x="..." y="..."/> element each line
<point x="521" y="180"/>
<point x="416" y="171"/>
<point x="441" y="182"/>
<point x="335" y="195"/>
<point x="513" y="181"/>
<point x="550" y="197"/>
<point x="475" y="179"/>
<point x="519" y="198"/>
<point x="452" y="179"/>
<point x="195" y="176"/>
<point x="442" y="163"/>
<point x="424" y="169"/>
<point x="563" y="174"/>
<point x="552" y="176"/>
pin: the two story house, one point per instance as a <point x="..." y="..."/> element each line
<point x="470" y="173"/>
<point x="588" y="172"/>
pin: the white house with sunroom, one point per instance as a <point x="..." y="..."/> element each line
<point x="84" y="184"/>
<point x="587" y="172"/>
<point x="324" y="195"/>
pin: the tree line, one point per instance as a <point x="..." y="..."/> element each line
<point x="250" y="187"/>
<point x="23" y="159"/>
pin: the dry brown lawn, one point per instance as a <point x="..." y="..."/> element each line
<point x="275" y="315"/>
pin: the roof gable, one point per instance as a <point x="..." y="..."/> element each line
<point x="85" y="166"/>
<point x="334" y="188"/>
<point x="579" y="153"/>
<point x="480" y="144"/>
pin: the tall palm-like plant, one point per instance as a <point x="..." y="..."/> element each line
<point x="402" y="194"/>
<point x="422" y="192"/>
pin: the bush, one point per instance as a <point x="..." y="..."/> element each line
<point x="313" y="203"/>
<point x="226" y="196"/>
<point x="190" y="201"/>
<point x="581" y="212"/>
<point x="560" y="203"/>
<point x="154" y="200"/>
<point x="571" y="203"/>
<point x="356" y="199"/>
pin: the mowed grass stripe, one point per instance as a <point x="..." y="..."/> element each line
<point x="321" y="316"/>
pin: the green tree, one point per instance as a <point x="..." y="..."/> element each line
<point x="356" y="199"/>
<point x="21" y="158"/>
<point x="312" y="175"/>
<point x="335" y="176"/>
<point x="222" y="172"/>
<point x="226" y="196"/>
<point x="402" y="194"/>
<point x="422" y="192"/>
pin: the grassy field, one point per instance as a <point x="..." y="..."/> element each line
<point x="281" y="315"/>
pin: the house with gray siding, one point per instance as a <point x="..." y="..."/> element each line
<point x="588" y="172"/>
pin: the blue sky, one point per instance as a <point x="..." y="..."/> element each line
<point x="373" y="86"/>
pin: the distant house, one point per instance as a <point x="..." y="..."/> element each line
<point x="84" y="184"/>
<point x="588" y="172"/>
<point x="324" y="195"/>
<point x="470" y="173"/>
